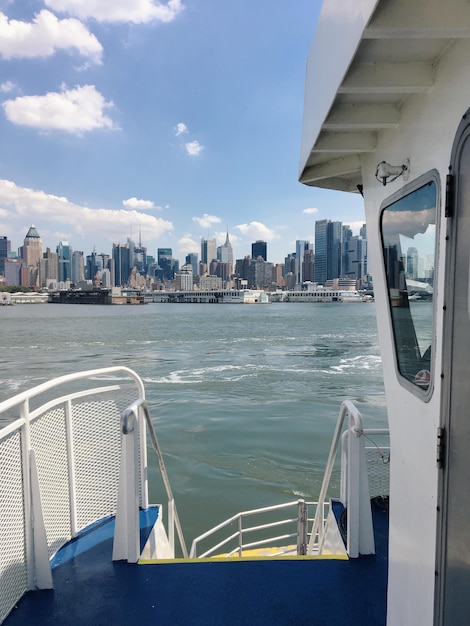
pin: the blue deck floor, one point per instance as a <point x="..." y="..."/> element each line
<point x="90" y="589"/>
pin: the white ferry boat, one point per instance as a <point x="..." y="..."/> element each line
<point x="211" y="296"/>
<point x="385" y="116"/>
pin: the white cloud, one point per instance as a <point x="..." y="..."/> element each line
<point x="39" y="207"/>
<point x="193" y="148"/>
<point x="135" y="11"/>
<point x="354" y="226"/>
<point x="74" y="111"/>
<point x="187" y="244"/>
<point x="257" y="230"/>
<point x="134" y="203"/>
<point x="7" y="86"/>
<point x="44" y="36"/>
<point x="206" y="220"/>
<point x="310" y="211"/>
<point x="180" y="129"/>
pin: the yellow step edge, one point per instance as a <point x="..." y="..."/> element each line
<point x="233" y="559"/>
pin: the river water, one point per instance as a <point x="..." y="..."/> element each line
<point x="244" y="398"/>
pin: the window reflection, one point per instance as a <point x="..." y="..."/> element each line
<point x="409" y="239"/>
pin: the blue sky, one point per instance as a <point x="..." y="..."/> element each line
<point x="179" y="120"/>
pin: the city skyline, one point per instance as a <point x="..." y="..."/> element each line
<point x="180" y="120"/>
<point x="209" y="244"/>
<point x="341" y="255"/>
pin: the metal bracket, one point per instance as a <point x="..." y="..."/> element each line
<point x="440" y="449"/>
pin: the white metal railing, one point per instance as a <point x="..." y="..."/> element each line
<point x="357" y="461"/>
<point x="292" y="541"/>
<point x="355" y="493"/>
<point x="126" y="538"/>
<point x="60" y="469"/>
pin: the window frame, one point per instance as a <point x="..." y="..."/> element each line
<point x="431" y="176"/>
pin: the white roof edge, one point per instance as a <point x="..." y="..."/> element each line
<point x="337" y="36"/>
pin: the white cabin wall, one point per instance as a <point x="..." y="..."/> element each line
<point x="413" y="423"/>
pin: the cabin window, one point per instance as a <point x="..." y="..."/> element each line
<point x="409" y="242"/>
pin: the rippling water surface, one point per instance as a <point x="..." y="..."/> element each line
<point x="244" y="398"/>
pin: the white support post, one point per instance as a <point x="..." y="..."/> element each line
<point x="126" y="544"/>
<point x="71" y="468"/>
<point x="171" y="526"/>
<point x="360" y="527"/>
<point x="143" y="460"/>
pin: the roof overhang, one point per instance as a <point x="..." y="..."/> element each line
<point x="366" y="59"/>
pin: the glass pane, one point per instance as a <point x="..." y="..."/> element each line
<point x="409" y="241"/>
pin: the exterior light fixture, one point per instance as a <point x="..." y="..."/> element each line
<point x="386" y="173"/>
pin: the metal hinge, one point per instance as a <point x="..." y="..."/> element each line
<point x="449" y="210"/>
<point x="440" y="450"/>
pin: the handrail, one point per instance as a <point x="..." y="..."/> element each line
<point x="355" y="424"/>
<point x="301" y="518"/>
<point x="127" y="427"/>
<point x="67" y="378"/>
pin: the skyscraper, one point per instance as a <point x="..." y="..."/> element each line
<point x="301" y="247"/>
<point x="31" y="253"/>
<point x="77" y="266"/>
<point x="328" y="238"/>
<point x="225" y="258"/>
<point x="48" y="268"/>
<point x="208" y="251"/>
<point x="191" y="259"/>
<point x="64" y="252"/>
<point x="259" y="248"/>
<point x="321" y="242"/>
<point x="120" y="265"/>
<point x="4" y="250"/>
<point x="166" y="262"/>
<point x="334" y="248"/>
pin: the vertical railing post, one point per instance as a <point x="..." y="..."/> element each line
<point x="26" y="445"/>
<point x="240" y="536"/>
<point x="71" y="467"/>
<point x="144" y="501"/>
<point x="171" y="525"/>
<point x="302" y="527"/>
<point x="360" y="532"/>
<point x="126" y="545"/>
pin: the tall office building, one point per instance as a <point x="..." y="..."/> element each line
<point x="289" y="264"/>
<point x="328" y="250"/>
<point x="191" y="259"/>
<point x="92" y="265"/>
<point x="121" y="269"/>
<point x="208" y="251"/>
<point x="16" y="272"/>
<point x="31" y="252"/>
<point x="301" y="248"/>
<point x="184" y="280"/>
<point x="5" y="246"/>
<point x="321" y="243"/>
<point x="225" y="258"/>
<point x="64" y="252"/>
<point x="167" y="264"/>
<point x="259" y="249"/>
<point x="356" y="258"/>
<point x="48" y="268"/>
<point x="308" y="266"/>
<point x="77" y="273"/>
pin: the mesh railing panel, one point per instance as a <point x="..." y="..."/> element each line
<point x="378" y="469"/>
<point x="13" y="572"/>
<point x="97" y="444"/>
<point x="48" y="440"/>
